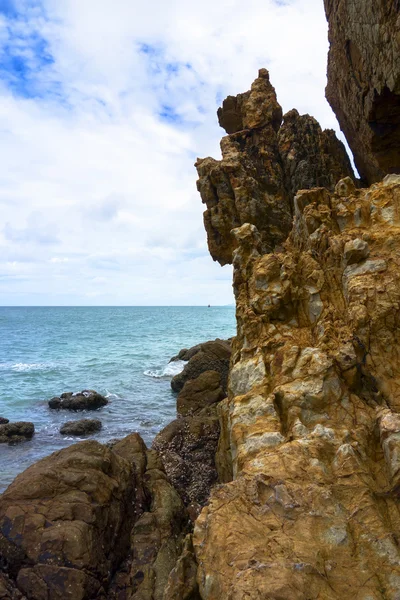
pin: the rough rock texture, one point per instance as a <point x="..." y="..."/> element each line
<point x="85" y="400"/>
<point x="182" y="581"/>
<point x="260" y="168"/>
<point x="8" y="591"/>
<point x="211" y="356"/>
<point x="13" y="433"/>
<point x="65" y="523"/>
<point x="197" y="394"/>
<point x="364" y="81"/>
<point x="4" y="421"/>
<point x="187" y="449"/>
<point x="157" y="536"/>
<point x="82" y="427"/>
<point x="313" y="410"/>
<point x="311" y="157"/>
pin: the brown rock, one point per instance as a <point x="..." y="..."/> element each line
<point x="311" y="157"/>
<point x="253" y="109"/>
<point x="85" y="400"/>
<point x="364" y="81"/>
<point x="200" y="393"/>
<point x="182" y="581"/>
<point x="82" y="427"/>
<point x="13" y="433"/>
<point x="187" y="449"/>
<point x="262" y="167"/>
<point x="312" y="419"/>
<point x="212" y="356"/>
<point x="8" y="591"/>
<point x="156" y="539"/>
<point x="65" y="523"/>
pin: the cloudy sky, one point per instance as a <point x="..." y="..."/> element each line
<point x="104" y="107"/>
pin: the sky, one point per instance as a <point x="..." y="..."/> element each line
<point x="104" y="107"/>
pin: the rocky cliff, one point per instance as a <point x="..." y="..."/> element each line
<point x="364" y="81"/>
<point x="311" y="423"/>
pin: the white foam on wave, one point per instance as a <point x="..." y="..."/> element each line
<point x="172" y="368"/>
<point x="27" y="366"/>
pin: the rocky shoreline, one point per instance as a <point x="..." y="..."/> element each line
<point x="120" y="515"/>
<point x="279" y="480"/>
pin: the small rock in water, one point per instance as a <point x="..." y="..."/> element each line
<point x="82" y="427"/>
<point x="85" y="400"/>
<point x="3" y="421"/>
<point x="13" y="433"/>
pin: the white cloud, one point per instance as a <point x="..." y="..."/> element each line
<point x="104" y="107"/>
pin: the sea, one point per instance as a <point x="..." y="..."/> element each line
<point x="121" y="352"/>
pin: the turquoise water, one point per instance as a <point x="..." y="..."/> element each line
<point x="122" y="352"/>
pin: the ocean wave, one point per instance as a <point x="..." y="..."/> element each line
<point x="172" y="368"/>
<point x="27" y="366"/>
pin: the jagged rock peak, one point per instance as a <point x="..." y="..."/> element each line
<point x="263" y="165"/>
<point x="256" y="108"/>
<point x="364" y="81"/>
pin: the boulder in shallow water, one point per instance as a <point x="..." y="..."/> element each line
<point x="200" y="393"/>
<point x="13" y="433"/>
<point x="4" y="421"/>
<point x="211" y="356"/>
<point x="85" y="400"/>
<point x="82" y="427"/>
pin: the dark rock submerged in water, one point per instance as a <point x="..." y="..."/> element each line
<point x="85" y="400"/>
<point x="82" y="427"/>
<point x="13" y="433"/>
<point x="210" y="356"/>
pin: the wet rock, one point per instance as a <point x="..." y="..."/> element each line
<point x="82" y="427"/>
<point x="200" y="393"/>
<point x="364" y="81"/>
<point x="65" y="523"/>
<point x="211" y="356"/>
<point x="4" y="421"/>
<point x="85" y="400"/>
<point x="13" y="433"/>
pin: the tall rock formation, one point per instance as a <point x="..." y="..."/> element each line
<point x="313" y="412"/>
<point x="312" y="419"/>
<point x="263" y="164"/>
<point x="364" y="81"/>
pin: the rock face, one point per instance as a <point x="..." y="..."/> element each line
<point x="82" y="427"/>
<point x="262" y="167"/>
<point x="85" y="400"/>
<point x="13" y="433"/>
<point x="65" y="523"/>
<point x="313" y="412"/>
<point x="210" y="356"/>
<point x="364" y="81"/>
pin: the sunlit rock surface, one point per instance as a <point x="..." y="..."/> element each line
<point x="313" y="414"/>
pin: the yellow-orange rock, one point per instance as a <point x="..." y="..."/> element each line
<point x="313" y="414"/>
